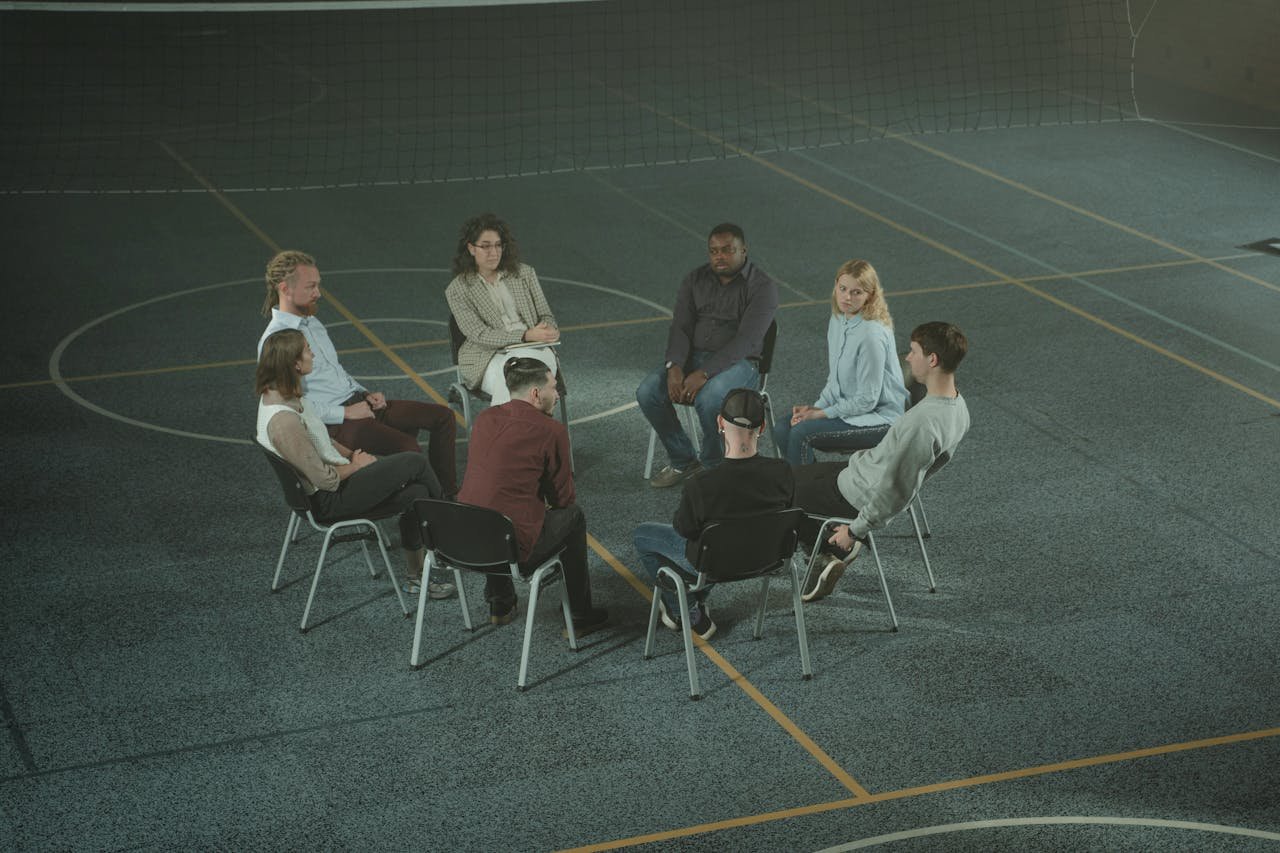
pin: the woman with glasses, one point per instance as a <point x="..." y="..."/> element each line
<point x="497" y="303"/>
<point x="341" y="483"/>
<point x="864" y="393"/>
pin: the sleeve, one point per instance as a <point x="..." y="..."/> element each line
<point x="912" y="455"/>
<point x="540" y="303"/>
<point x="290" y="438"/>
<point x="762" y="304"/>
<point x="680" y="337"/>
<point x="558" y="484"/>
<point x="687" y="518"/>
<point x="862" y="379"/>
<point x="330" y="413"/>
<point x="473" y="326"/>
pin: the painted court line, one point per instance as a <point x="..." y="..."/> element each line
<point x="1031" y="259"/>
<point x="974" y="781"/>
<point x="956" y="253"/>
<point x="737" y="678"/>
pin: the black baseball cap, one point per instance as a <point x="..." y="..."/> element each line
<point x="743" y="407"/>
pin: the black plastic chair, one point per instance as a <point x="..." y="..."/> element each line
<point x="461" y="537"/>
<point x="362" y="530"/>
<point x="741" y="549"/>
<point x="764" y="363"/>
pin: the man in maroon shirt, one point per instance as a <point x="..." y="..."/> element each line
<point x="519" y="465"/>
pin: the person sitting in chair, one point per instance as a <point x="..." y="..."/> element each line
<point x="744" y="484"/>
<point x="877" y="484"/>
<point x="497" y="302"/>
<point x="341" y="482"/>
<point x="519" y="465"/>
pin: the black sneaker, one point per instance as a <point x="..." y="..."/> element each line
<point x="820" y="584"/>
<point x="502" y="612"/>
<point x="588" y="623"/>
<point x="702" y="624"/>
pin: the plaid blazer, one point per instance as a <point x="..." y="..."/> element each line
<point x="480" y="320"/>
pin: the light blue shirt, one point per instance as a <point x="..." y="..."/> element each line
<point x="327" y="386"/>
<point x="864" y="379"/>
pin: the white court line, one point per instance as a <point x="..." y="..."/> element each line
<point x="59" y="381"/>
<point x="1065" y="820"/>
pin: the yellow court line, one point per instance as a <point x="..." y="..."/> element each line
<point x="859" y="793"/>
<point x="956" y="253"/>
<point x="903" y="793"/>
<point x="342" y="309"/>
<point x="1009" y="182"/>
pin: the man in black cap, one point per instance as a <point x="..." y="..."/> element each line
<point x="744" y="484"/>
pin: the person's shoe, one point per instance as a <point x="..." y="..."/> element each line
<point x="502" y="613"/>
<point x="667" y="619"/>
<point x="588" y="623"/>
<point x="672" y="476"/>
<point x="824" y="582"/>
<point x="701" y="623"/>
<point x="434" y="590"/>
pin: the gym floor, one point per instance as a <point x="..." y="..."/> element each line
<point x="1095" y="671"/>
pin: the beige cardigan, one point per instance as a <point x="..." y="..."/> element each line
<point x="481" y="322"/>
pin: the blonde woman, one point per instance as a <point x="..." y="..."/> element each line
<point x="865" y="392"/>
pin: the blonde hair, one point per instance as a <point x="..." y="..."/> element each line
<point x="277" y="367"/>
<point x="279" y="268"/>
<point x="875" y="308"/>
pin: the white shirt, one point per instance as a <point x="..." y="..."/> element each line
<point x="328" y="385"/>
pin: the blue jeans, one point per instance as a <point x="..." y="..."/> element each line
<point x="658" y="409"/>
<point x="798" y="442"/>
<point x="660" y="545"/>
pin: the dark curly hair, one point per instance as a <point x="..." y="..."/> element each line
<point x="470" y="233"/>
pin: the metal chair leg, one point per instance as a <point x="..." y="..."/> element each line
<point x="806" y="668"/>
<point x="924" y="518"/>
<point x="535" y="585"/>
<point x="568" y="614"/>
<point x="653" y="624"/>
<point x="924" y="555"/>
<point x="695" y="689"/>
<point x="290" y="531"/>
<point x="315" y="580"/>
<point x="415" y="659"/>
<point x="884" y="584"/>
<point x="764" y="599"/>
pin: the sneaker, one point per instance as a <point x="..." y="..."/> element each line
<point x="502" y="613"/>
<point x="701" y="623"/>
<point x="671" y="476"/>
<point x="593" y="621"/>
<point x="821" y="584"/>
<point x="435" y="590"/>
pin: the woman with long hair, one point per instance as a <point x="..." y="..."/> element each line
<point x="341" y="483"/>
<point x="497" y="302"/>
<point x="864" y="393"/>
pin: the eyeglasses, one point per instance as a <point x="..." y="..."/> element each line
<point x="484" y="247"/>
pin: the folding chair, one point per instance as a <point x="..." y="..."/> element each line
<point x="765" y="362"/>
<point x="755" y="546"/>
<point x="829" y="523"/>
<point x="466" y="395"/>
<point x="360" y="530"/>
<point x="462" y="537"/>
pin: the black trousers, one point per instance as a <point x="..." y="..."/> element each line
<point x="818" y="493"/>
<point x="562" y="528"/>
<point x="386" y="487"/>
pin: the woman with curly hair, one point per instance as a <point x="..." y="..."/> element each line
<point x="497" y="302"/>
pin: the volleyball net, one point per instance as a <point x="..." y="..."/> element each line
<point x="137" y="97"/>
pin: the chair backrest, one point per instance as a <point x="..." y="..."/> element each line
<point x="467" y="536"/>
<point x="766" y="351"/>
<point x="749" y="546"/>
<point x="295" y="494"/>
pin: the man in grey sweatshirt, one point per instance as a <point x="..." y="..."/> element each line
<point x="877" y="484"/>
